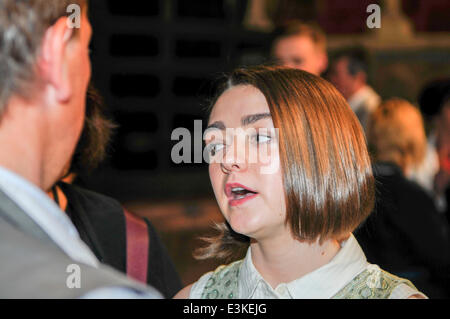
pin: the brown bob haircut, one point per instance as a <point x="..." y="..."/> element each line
<point x="326" y="169"/>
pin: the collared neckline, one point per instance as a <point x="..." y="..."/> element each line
<point x="322" y="283"/>
<point x="39" y="207"/>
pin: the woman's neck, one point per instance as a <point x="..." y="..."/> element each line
<point x="282" y="261"/>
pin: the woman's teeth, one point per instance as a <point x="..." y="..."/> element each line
<point x="240" y="192"/>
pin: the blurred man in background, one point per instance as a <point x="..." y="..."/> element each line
<point x="442" y="181"/>
<point x="301" y="46"/>
<point x="348" y="73"/>
<point x="434" y="101"/>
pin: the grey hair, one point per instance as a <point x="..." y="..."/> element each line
<point x="22" y="26"/>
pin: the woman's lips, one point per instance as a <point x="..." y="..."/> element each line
<point x="238" y="194"/>
<point x="237" y="202"/>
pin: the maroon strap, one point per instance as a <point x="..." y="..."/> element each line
<point x="137" y="247"/>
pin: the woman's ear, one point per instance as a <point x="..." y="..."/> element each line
<point x="52" y="61"/>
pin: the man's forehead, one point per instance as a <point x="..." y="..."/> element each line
<point x="340" y="63"/>
<point x="299" y="39"/>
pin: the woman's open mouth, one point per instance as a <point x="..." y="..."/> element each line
<point x="238" y="194"/>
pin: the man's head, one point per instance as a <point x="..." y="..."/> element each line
<point x="301" y="46"/>
<point x="45" y="71"/>
<point x="349" y="72"/>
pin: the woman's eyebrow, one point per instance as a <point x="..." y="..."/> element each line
<point x="250" y="119"/>
<point x="245" y="121"/>
<point x="217" y="125"/>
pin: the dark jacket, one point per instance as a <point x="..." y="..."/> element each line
<point x="100" y="221"/>
<point x="405" y="234"/>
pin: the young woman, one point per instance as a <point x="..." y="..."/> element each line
<point x="296" y="209"/>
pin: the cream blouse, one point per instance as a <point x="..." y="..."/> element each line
<point x="322" y="283"/>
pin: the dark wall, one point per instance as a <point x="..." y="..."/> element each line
<point x="154" y="62"/>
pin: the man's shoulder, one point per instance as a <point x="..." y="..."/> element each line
<point x="35" y="269"/>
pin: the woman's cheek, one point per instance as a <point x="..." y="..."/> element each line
<point x="215" y="175"/>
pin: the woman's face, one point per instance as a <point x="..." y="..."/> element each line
<point x="244" y="163"/>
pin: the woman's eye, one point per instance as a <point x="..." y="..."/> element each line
<point x="258" y="138"/>
<point x="215" y="148"/>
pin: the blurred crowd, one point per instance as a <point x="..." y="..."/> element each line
<point x="408" y="232"/>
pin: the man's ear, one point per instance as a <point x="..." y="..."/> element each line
<point x="52" y="61"/>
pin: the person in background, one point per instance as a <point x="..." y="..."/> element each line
<point x="442" y="180"/>
<point x="434" y="102"/>
<point x="45" y="71"/>
<point x="348" y="73"/>
<point x="405" y="235"/>
<point x="301" y="46"/>
<point x="117" y="237"/>
<point x="291" y="195"/>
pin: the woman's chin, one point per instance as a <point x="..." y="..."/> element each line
<point x="244" y="225"/>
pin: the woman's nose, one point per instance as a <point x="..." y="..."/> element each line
<point x="235" y="158"/>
